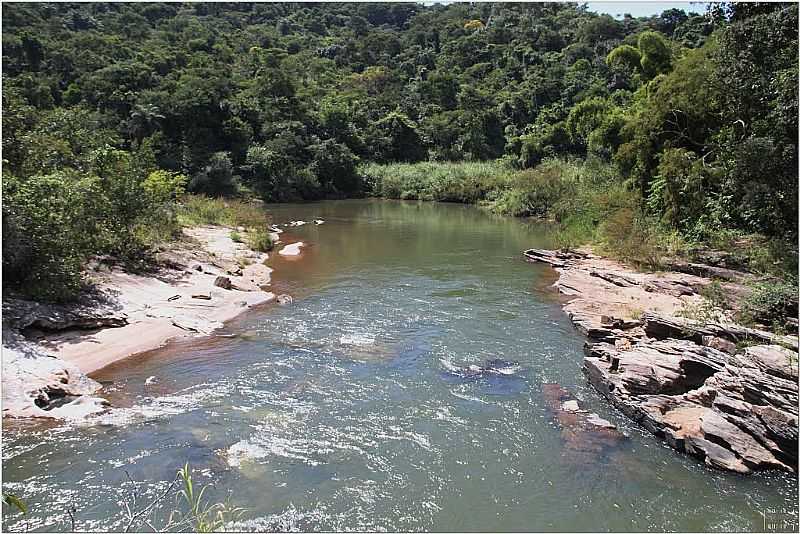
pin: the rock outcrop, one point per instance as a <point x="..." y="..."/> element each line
<point x="48" y="350"/>
<point x="721" y="392"/>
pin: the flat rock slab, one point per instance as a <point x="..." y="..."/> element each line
<point x="38" y="384"/>
<point x="292" y="249"/>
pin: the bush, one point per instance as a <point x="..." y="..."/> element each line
<point x="50" y="225"/>
<point x="770" y="303"/>
<point x="334" y="165"/>
<point x="163" y="186"/>
<point x="468" y="182"/>
<point x="535" y="192"/>
<point x="628" y="235"/>
<point x="216" y="177"/>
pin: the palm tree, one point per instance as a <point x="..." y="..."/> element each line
<point x="144" y="120"/>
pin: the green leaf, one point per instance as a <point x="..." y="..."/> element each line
<point x="10" y="499"/>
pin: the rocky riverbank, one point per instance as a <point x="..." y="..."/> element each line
<point x="716" y="390"/>
<point x="201" y="281"/>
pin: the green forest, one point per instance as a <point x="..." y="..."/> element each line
<point x="645" y="136"/>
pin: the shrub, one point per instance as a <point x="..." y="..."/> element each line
<point x="50" y="224"/>
<point x="216" y="177"/>
<point x="163" y="186"/>
<point x="770" y="302"/>
<point x="629" y="236"/>
<point x="535" y="192"/>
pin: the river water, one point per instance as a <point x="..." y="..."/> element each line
<point x="338" y="412"/>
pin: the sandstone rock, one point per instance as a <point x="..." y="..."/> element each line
<point x="663" y="327"/>
<point x="292" y="250"/>
<point x="718" y="343"/>
<point x="197" y="324"/>
<point x="671" y="287"/>
<point x="585" y="435"/>
<point x="683" y="380"/>
<point x="551" y="257"/>
<point x="202" y="296"/>
<point x="774" y="359"/>
<point x="614" y="278"/>
<point x="37" y="384"/>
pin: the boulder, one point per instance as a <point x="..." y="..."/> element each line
<point x="224" y="282"/>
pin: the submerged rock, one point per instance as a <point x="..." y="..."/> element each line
<point x="586" y="435"/>
<point x="493" y="367"/>
<point x="292" y="250"/>
<point x="284" y="299"/>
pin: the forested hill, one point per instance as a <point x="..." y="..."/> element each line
<point x="697" y="113"/>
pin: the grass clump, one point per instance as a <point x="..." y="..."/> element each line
<point x="197" y="209"/>
<point x="260" y="240"/>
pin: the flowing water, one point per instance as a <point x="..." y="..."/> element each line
<point x="342" y="411"/>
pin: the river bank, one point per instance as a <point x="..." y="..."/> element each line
<point x="722" y="392"/>
<point x="199" y="282"/>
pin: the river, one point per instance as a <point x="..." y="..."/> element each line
<point x="338" y="412"/>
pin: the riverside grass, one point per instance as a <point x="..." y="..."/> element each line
<point x="194" y="210"/>
<point x="587" y="198"/>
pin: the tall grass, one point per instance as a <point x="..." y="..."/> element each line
<point x="197" y="209"/>
<point x="587" y="199"/>
<point x="467" y="182"/>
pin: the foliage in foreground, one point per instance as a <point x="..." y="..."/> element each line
<point x="191" y="510"/>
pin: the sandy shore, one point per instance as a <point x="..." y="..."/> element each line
<point x="205" y="280"/>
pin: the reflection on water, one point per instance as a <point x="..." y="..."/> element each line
<point x="401" y="391"/>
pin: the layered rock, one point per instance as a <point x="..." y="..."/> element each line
<point x="722" y="392"/>
<point x="22" y="314"/>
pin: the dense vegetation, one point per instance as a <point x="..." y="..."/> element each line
<point x="626" y="131"/>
